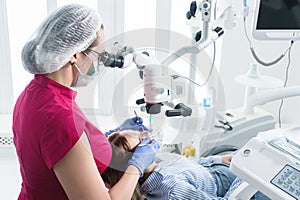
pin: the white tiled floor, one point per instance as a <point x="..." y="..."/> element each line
<point x="10" y="178"/>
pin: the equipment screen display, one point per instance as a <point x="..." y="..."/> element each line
<point x="278" y="15"/>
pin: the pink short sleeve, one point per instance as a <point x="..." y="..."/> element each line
<point x="59" y="136"/>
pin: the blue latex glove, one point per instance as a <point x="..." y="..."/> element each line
<point x="134" y="123"/>
<point x="144" y="154"/>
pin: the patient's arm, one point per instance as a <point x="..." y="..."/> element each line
<point x="217" y="159"/>
<point x="210" y="160"/>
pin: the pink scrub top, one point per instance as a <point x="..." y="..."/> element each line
<point x="46" y="124"/>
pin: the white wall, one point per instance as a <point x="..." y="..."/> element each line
<point x="236" y="59"/>
<point x="10" y="182"/>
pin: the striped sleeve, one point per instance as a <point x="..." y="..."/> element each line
<point x="210" y="160"/>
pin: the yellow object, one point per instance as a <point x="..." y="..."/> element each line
<point x="188" y="151"/>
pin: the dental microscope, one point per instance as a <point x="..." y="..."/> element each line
<point x="158" y="86"/>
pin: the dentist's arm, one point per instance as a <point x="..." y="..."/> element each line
<point x="126" y="185"/>
<point x="79" y="176"/>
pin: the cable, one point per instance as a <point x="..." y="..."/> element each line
<point x="288" y="50"/>
<point x="285" y="83"/>
<point x="255" y="55"/>
<point x="215" y="10"/>
<point x="246" y="33"/>
<point x="209" y="75"/>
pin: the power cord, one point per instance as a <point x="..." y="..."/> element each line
<point x="285" y="83"/>
<point x="260" y="61"/>
<point x="287" y="51"/>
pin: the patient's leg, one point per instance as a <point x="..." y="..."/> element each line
<point x="223" y="178"/>
<point x="260" y="196"/>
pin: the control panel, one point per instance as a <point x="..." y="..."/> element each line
<point x="288" y="180"/>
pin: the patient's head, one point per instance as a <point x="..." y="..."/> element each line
<point x="128" y="139"/>
<point x="123" y="145"/>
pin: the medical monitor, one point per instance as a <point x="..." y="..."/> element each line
<point x="276" y="20"/>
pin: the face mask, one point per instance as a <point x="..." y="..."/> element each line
<point x="85" y="79"/>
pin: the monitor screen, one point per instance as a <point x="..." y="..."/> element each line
<point x="276" y="20"/>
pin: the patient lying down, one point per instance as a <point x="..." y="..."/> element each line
<point x="173" y="176"/>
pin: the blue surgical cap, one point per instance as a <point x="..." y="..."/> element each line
<point x="67" y="30"/>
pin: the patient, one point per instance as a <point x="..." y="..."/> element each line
<point x="171" y="176"/>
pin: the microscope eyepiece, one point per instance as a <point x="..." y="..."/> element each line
<point x="111" y="60"/>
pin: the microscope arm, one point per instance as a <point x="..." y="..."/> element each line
<point x="196" y="48"/>
<point x="225" y="9"/>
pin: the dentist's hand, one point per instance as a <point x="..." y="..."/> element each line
<point x="144" y="154"/>
<point x="134" y="123"/>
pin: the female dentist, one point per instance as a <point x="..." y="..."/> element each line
<point x="49" y="127"/>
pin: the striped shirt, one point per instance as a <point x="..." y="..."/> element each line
<point x="177" y="177"/>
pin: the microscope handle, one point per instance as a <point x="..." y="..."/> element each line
<point x="140" y="101"/>
<point x="173" y="113"/>
<point x="180" y="109"/>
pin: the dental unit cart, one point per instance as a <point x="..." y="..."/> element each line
<point x="269" y="163"/>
